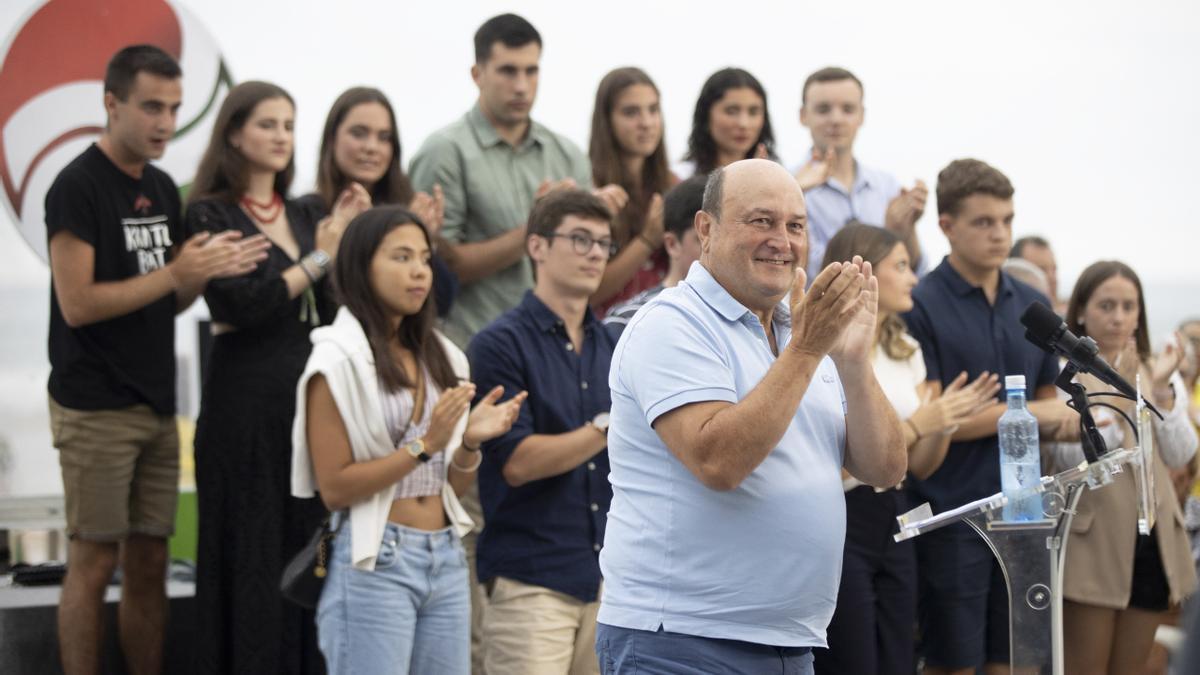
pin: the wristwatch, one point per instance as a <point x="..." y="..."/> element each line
<point x="417" y="450"/>
<point x="600" y="423"/>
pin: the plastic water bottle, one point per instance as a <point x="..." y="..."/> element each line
<point x="1020" y="458"/>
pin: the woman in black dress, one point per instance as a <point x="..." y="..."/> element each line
<point x="249" y="523"/>
<point x="361" y="144"/>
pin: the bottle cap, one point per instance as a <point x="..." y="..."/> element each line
<point x="1014" y="382"/>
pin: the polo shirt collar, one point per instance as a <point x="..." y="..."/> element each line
<point x="961" y="286"/>
<point x="486" y="134"/>
<point x="715" y="296"/>
<point x="544" y="318"/>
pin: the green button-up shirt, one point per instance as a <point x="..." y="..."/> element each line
<point x="489" y="187"/>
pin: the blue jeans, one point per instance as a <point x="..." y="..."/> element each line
<point x="411" y="614"/>
<point x="624" y="650"/>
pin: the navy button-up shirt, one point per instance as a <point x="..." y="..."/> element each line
<point x="546" y="532"/>
<point x="958" y="330"/>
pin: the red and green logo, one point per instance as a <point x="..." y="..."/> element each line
<point x="52" y="88"/>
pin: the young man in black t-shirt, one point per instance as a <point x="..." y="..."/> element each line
<point x="119" y="275"/>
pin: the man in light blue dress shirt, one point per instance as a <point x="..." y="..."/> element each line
<point x="733" y="414"/>
<point x="838" y="189"/>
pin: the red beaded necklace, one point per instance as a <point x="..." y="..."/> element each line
<point x="264" y="213"/>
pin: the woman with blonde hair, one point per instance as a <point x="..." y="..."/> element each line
<point x="873" y="626"/>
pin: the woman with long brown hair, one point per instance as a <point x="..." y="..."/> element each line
<point x="383" y="434"/>
<point x="872" y="627"/>
<point x="1119" y="585"/>
<point x="250" y="525"/>
<point x="731" y="122"/>
<point x="361" y="144"/>
<point x="627" y="150"/>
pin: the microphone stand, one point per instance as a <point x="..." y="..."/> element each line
<point x="1089" y="436"/>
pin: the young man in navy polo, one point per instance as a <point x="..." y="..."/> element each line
<point x="966" y="316"/>
<point x="544" y="485"/>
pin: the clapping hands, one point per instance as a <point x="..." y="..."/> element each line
<point x="489" y="419"/>
<point x="957" y="403"/>
<point x="836" y="316"/>
<point x="352" y="201"/>
<point x="430" y="209"/>
<point x="905" y="209"/>
<point x="817" y="170"/>
<point x="206" y="256"/>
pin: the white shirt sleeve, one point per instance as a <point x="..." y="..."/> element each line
<point x="1175" y="436"/>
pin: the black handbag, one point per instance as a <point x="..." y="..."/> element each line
<point x="304" y="575"/>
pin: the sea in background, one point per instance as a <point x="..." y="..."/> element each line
<point x="29" y="464"/>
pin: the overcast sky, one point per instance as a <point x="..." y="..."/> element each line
<point x="1089" y="107"/>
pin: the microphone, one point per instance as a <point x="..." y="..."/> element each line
<point x="1048" y="331"/>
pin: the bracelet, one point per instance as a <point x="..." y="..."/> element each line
<point x="467" y="469"/>
<point x="469" y="448"/>
<point x="317" y="259"/>
<point x="307" y="272"/>
<point x="649" y="244"/>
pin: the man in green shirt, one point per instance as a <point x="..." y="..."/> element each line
<point x="492" y="164"/>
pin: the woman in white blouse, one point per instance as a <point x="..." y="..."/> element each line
<point x="877" y="596"/>
<point x="1119" y="584"/>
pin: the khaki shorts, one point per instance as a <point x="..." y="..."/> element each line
<point x="120" y="471"/>
<point x="530" y="630"/>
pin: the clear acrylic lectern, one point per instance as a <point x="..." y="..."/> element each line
<point x="1031" y="552"/>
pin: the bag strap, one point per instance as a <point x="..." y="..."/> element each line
<point x="345" y="515"/>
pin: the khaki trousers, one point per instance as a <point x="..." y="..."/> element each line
<point x="530" y="630"/>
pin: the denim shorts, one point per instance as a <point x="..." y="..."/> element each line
<point x="411" y="614"/>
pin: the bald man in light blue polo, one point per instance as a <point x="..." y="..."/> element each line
<point x="733" y="414"/>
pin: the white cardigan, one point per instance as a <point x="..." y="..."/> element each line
<point x="342" y="354"/>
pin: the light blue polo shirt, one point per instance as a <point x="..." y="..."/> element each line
<point x="760" y="563"/>
<point x="831" y="205"/>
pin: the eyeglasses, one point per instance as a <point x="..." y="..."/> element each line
<point x="583" y="243"/>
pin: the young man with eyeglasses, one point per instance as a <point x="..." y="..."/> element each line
<point x="544" y="485"/>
